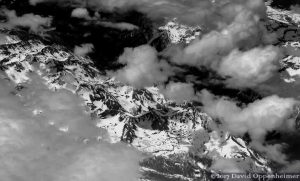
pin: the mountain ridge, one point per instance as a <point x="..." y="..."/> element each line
<point x="142" y="118"/>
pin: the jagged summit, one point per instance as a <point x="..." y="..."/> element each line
<point x="179" y="33"/>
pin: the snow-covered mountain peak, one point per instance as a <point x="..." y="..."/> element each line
<point x="181" y="33"/>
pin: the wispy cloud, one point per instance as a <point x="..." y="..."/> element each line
<point x="84" y="49"/>
<point x="142" y="67"/>
<point x="34" y="22"/>
<point x="41" y="138"/>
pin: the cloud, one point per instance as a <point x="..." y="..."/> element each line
<point x="208" y="50"/>
<point x="242" y="68"/>
<point x="121" y="25"/>
<point x="273" y="152"/>
<point x="3" y="39"/>
<point x="34" y="2"/>
<point x="292" y="167"/>
<point x="142" y="67"/>
<point x="257" y="118"/>
<point x="80" y="13"/>
<point x="244" y="28"/>
<point x="34" y="22"/>
<point x="250" y="68"/>
<point x="33" y="147"/>
<point x="236" y="41"/>
<point x="295" y="9"/>
<point x="239" y="29"/>
<point x="233" y="29"/>
<point x="188" y="12"/>
<point x="178" y="91"/>
<point x="83" y="49"/>
<point x="227" y="165"/>
<point x="61" y="109"/>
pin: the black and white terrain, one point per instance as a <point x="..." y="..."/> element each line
<point x="109" y="90"/>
